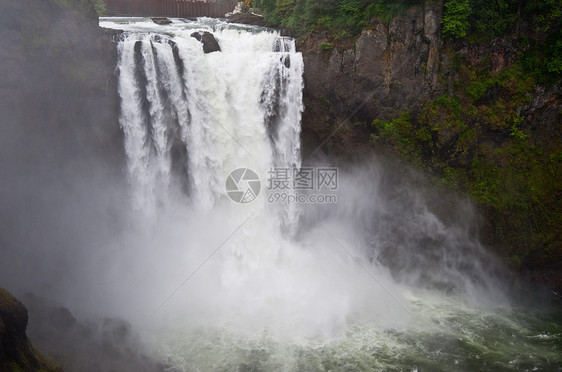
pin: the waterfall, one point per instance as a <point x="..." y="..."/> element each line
<point x="191" y="118"/>
<point x="230" y="282"/>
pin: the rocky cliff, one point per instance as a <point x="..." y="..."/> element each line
<point x="472" y="114"/>
<point x="16" y="351"/>
<point x="386" y="69"/>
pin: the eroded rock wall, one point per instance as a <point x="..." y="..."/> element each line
<point x="387" y="68"/>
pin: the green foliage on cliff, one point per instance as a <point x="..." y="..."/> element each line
<point x="17" y="354"/>
<point x="409" y="140"/>
<point x="100" y="7"/>
<point x="479" y="142"/>
<point x="476" y="20"/>
<point x="341" y="17"/>
<point x="480" y="18"/>
<point x="477" y="137"/>
<point x="489" y="18"/>
<point x="461" y="18"/>
<point x="543" y="60"/>
<point x="455" y="18"/>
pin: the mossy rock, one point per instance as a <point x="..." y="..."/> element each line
<point x="16" y="351"/>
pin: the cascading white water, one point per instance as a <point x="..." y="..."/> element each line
<point x="190" y="119"/>
<point x="231" y="286"/>
<point x="240" y="107"/>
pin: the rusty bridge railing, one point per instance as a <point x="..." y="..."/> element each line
<point x="169" y="8"/>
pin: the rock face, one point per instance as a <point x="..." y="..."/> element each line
<point x="16" y="352"/>
<point x="388" y="68"/>
<point x="107" y="344"/>
<point x="161" y="20"/>
<point x="248" y="19"/>
<point x="468" y="113"/>
<point x="210" y="44"/>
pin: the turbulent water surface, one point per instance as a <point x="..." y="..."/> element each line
<point x="372" y="280"/>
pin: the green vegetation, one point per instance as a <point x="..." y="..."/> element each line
<point x="494" y="17"/>
<point x="343" y="18"/>
<point x="455" y="18"/>
<point x="544" y="60"/>
<point x="478" y="142"/>
<point x="490" y="18"/>
<point x="477" y="20"/>
<point x="476" y="138"/>
<point x="401" y="134"/>
<point x="13" y="321"/>
<point x="480" y="20"/>
<point x="99" y="5"/>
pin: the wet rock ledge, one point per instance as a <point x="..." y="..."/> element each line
<point x="16" y="351"/>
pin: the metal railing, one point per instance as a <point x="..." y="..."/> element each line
<point x="169" y="8"/>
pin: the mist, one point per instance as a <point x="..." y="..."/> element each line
<point x="189" y="269"/>
<point x="63" y="192"/>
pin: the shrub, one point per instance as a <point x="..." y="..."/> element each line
<point x="455" y="18"/>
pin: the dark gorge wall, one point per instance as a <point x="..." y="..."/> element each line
<point x="56" y="73"/>
<point x="60" y="141"/>
<point x="386" y="69"/>
<point x="61" y="159"/>
<point x="471" y="114"/>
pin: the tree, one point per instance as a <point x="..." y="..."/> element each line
<point x="455" y="18"/>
